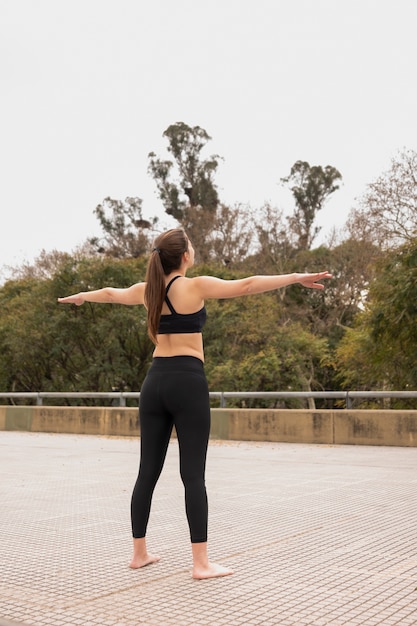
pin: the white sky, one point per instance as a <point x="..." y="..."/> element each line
<point x="89" y="86"/>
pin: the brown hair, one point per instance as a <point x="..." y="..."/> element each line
<point x="166" y="257"/>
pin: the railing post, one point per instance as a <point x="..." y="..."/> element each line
<point x="122" y="400"/>
<point x="348" y="401"/>
<point x="222" y="401"/>
<point x="38" y="399"/>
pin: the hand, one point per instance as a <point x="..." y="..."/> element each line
<point x="77" y="299"/>
<point x="310" y="280"/>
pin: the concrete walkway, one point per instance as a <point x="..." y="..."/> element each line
<point x="316" y="534"/>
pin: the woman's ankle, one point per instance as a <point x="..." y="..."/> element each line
<point x="200" y="554"/>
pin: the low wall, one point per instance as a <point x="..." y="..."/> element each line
<point x="373" y="427"/>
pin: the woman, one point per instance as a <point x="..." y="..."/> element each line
<point x="175" y="390"/>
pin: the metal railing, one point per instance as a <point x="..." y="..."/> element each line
<point x="347" y="396"/>
<point x="119" y="397"/>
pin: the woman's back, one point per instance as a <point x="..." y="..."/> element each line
<point x="184" y="302"/>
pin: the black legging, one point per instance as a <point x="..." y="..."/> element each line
<point x="174" y="393"/>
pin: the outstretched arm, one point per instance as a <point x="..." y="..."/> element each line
<point x="210" y="287"/>
<point x="130" y="295"/>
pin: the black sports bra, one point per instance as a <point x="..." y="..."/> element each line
<point x="175" y="323"/>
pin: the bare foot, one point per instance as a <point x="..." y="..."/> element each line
<point x="213" y="570"/>
<point x="138" y="562"/>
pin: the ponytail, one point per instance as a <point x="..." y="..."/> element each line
<point x="166" y="257"/>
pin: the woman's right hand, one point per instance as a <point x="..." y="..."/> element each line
<point x="76" y="298"/>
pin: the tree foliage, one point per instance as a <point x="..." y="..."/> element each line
<point x="46" y="346"/>
<point x="379" y="350"/>
<point x="250" y="348"/>
<point x="310" y="186"/>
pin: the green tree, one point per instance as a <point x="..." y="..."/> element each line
<point x="248" y="347"/>
<point x="49" y="347"/>
<point x="379" y="351"/>
<point x="25" y="341"/>
<point x="311" y="186"/>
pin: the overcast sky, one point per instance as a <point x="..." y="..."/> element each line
<point x="89" y="86"/>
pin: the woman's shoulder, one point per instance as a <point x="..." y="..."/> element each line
<point x="212" y="287"/>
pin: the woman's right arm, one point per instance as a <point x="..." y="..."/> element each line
<point x="131" y="295"/>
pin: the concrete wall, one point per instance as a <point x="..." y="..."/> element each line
<point x="81" y="420"/>
<point x="374" y="427"/>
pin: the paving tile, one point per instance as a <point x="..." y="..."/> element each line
<point x="317" y="535"/>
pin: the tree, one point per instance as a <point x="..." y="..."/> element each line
<point x="248" y="347"/>
<point x="125" y="229"/>
<point x="352" y="264"/>
<point x="379" y="351"/>
<point x="194" y="175"/>
<point x="232" y="235"/>
<point x="275" y="246"/>
<point x="311" y="186"/>
<point x="185" y="184"/>
<point x="25" y="341"/>
<point x="48" y="347"/>
<point x="387" y="213"/>
<point x="44" y="266"/>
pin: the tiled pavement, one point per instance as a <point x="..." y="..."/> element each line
<point x="316" y="534"/>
